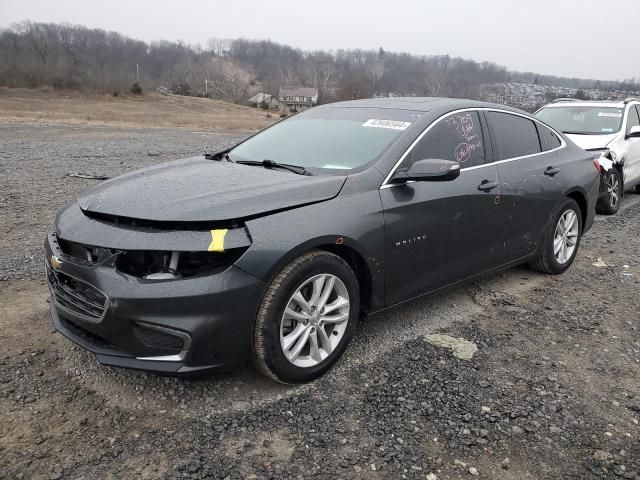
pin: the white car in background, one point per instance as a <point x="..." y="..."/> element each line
<point x="611" y="130"/>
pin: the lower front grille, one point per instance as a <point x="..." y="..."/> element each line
<point x="159" y="338"/>
<point x="86" y="335"/>
<point x="77" y="297"/>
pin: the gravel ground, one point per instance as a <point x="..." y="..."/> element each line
<point x="552" y="393"/>
<point x="34" y="162"/>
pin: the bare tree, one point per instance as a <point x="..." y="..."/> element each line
<point x="219" y="47"/>
<point x="39" y="42"/>
<point x="73" y="56"/>
<point x="228" y="79"/>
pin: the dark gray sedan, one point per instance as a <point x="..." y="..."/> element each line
<point x="273" y="249"/>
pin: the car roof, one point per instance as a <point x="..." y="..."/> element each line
<point x="421" y="104"/>
<point x="590" y="103"/>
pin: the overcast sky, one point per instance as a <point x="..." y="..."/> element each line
<point x="581" y="38"/>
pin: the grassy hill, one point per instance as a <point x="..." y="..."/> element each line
<point x="50" y="106"/>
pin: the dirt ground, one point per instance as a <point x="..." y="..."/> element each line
<point x="150" y="110"/>
<point x="553" y="391"/>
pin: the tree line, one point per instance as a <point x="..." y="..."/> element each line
<point x="75" y="57"/>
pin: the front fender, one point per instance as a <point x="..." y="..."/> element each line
<point x="354" y="221"/>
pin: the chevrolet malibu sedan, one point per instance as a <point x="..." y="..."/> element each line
<point x="273" y="249"/>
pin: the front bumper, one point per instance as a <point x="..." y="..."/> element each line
<point x="606" y="165"/>
<point x="174" y="326"/>
<point x="602" y="191"/>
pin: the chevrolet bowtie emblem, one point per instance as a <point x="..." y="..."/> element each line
<point x="56" y="263"/>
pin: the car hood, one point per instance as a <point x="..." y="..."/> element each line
<point x="197" y="189"/>
<point x="592" y="142"/>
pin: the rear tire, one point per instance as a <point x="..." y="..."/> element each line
<point x="561" y="242"/>
<point x="306" y="318"/>
<point x="610" y="204"/>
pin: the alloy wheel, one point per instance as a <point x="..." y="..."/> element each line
<point x="566" y="237"/>
<point x="314" y="320"/>
<point x="613" y="193"/>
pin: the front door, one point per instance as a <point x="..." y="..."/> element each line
<point x="632" y="162"/>
<point x="439" y="232"/>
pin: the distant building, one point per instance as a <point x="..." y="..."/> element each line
<point x="296" y="99"/>
<point x="264" y="98"/>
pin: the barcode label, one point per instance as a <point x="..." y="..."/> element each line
<point x="394" y="124"/>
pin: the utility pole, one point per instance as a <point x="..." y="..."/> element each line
<point x="137" y="73"/>
<point x="206" y="86"/>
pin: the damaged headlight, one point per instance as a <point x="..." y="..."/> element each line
<point x="603" y="152"/>
<point x="152" y="265"/>
<point x="604" y="159"/>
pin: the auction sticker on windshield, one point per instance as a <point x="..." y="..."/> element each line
<point x="610" y="114"/>
<point x="394" y="124"/>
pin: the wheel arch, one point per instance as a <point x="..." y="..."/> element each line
<point x="351" y="252"/>
<point x="359" y="266"/>
<point x="581" y="199"/>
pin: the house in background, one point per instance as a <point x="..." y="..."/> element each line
<point x="264" y="98"/>
<point x="297" y="99"/>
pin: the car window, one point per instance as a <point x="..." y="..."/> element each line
<point x="633" y="120"/>
<point x="331" y="140"/>
<point x="548" y="139"/>
<point x="513" y="136"/>
<point x="457" y="137"/>
<point x="581" y="120"/>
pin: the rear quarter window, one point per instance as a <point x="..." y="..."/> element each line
<point x="548" y="139"/>
<point x="513" y="136"/>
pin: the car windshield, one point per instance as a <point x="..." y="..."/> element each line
<point x="583" y="120"/>
<point x="327" y="138"/>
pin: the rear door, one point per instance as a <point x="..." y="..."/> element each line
<point x="632" y="147"/>
<point x="439" y="232"/>
<point x="530" y="172"/>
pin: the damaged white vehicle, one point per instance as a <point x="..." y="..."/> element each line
<point x="611" y="130"/>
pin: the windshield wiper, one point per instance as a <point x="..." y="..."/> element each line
<point x="222" y="155"/>
<point x="589" y="133"/>
<point x="271" y="164"/>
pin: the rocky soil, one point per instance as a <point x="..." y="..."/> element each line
<point x="553" y="391"/>
<point x="35" y="161"/>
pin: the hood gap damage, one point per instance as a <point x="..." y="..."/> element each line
<point x="178" y="225"/>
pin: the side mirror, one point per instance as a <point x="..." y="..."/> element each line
<point x="432" y="169"/>
<point x="634" y="132"/>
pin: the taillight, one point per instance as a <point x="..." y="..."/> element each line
<point x="596" y="163"/>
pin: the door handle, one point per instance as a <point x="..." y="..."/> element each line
<point x="551" y="171"/>
<point x="487" y="185"/>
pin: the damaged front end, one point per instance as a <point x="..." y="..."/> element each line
<point x="152" y="295"/>
<point x="611" y="170"/>
<point x="606" y="158"/>
<point x="152" y="250"/>
<point x="153" y="264"/>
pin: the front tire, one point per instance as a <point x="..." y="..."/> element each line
<point x="610" y="204"/>
<point x="562" y="240"/>
<point x="306" y="318"/>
